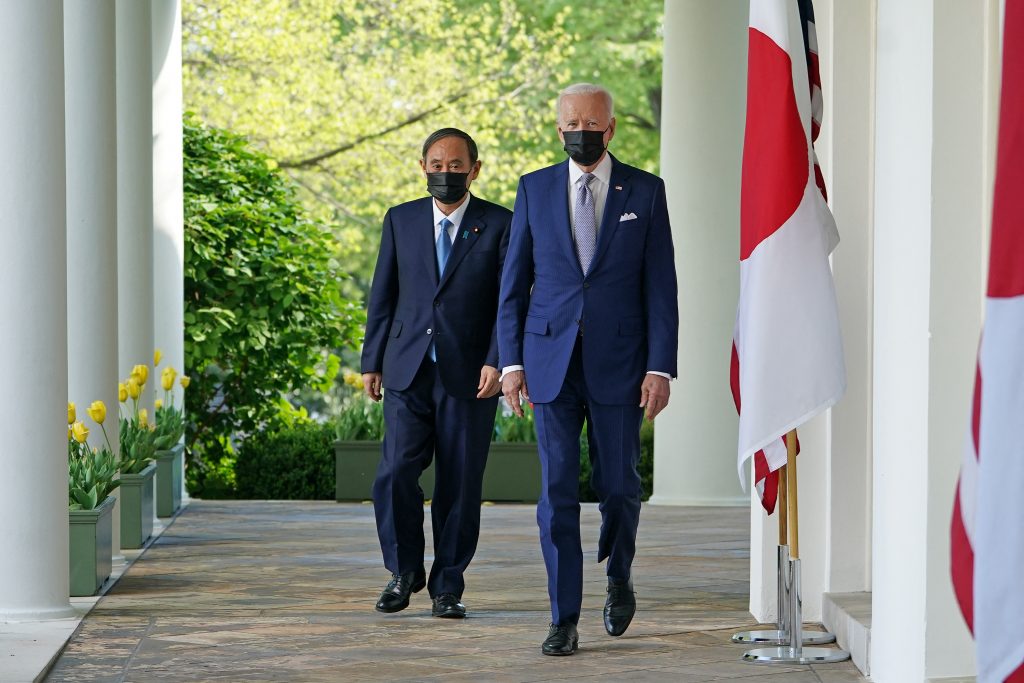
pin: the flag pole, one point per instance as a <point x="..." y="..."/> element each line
<point x="793" y="651"/>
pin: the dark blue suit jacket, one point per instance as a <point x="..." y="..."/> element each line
<point x="410" y="306"/>
<point x="627" y="302"/>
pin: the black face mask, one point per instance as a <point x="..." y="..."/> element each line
<point x="584" y="147"/>
<point x="447" y="188"/>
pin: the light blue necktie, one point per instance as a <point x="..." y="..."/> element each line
<point x="443" y="246"/>
<point x="584" y="229"/>
<point x="443" y="249"/>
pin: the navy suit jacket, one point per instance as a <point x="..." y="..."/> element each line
<point x="626" y="302"/>
<point x="411" y="306"/>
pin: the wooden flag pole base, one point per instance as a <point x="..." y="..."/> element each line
<point x="790" y="637"/>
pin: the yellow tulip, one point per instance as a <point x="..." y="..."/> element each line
<point x="122" y="392"/>
<point x="69" y="433"/>
<point x="80" y="432"/>
<point x="98" y="411"/>
<point x="158" y="404"/>
<point x="167" y="378"/>
<point x="184" y="381"/>
<point x="71" y="412"/>
<point x="141" y="373"/>
<point x="143" y="417"/>
<point x="134" y="388"/>
<point x="157" y="355"/>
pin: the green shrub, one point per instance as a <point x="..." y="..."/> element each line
<point x="511" y="429"/>
<point x="293" y="463"/>
<point x="359" y="420"/>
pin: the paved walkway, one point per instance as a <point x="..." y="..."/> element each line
<point x="284" y="591"/>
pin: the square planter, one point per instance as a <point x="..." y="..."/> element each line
<point x="512" y="473"/>
<point x="91" y="547"/>
<point x="168" y="480"/>
<point x="355" y="466"/>
<point x="137" y="507"/>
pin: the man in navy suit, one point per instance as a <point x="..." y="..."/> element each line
<point x="588" y="311"/>
<point x="430" y="343"/>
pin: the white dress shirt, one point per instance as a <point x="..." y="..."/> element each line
<point x="455" y="217"/>
<point x="599" y="189"/>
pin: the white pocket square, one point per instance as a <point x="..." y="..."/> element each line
<point x="627" y="217"/>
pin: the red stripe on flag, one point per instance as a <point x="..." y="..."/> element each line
<point x="962" y="563"/>
<point x="775" y="163"/>
<point x="1006" y="277"/>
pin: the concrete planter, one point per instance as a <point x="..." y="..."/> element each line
<point x="91" y="547"/>
<point x="168" y="480"/>
<point x="512" y="473"/>
<point x="137" y="507"/>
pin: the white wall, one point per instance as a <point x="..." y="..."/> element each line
<point x="964" y="101"/>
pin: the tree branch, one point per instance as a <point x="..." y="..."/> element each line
<point x="322" y="156"/>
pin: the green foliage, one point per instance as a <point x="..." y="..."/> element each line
<point x="359" y="420"/>
<point x="511" y="429"/>
<point x="645" y="466"/>
<point x="262" y="303"/>
<point x="137" y="445"/>
<point x="91" y="475"/>
<point x="293" y="463"/>
<point x="170" y="426"/>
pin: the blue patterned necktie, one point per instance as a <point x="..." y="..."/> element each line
<point x="584" y="229"/>
<point x="443" y="249"/>
<point x="443" y="246"/>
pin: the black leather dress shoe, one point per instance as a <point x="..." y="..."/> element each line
<point x="562" y="640"/>
<point x="395" y="596"/>
<point x="447" y="606"/>
<point x="619" y="608"/>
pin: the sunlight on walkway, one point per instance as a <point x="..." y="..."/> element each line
<point x="284" y="591"/>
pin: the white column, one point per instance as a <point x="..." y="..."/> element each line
<point x="168" y="194"/>
<point x="937" y="84"/>
<point x="135" y="190"/>
<point x="846" y="50"/>
<point x="703" y="100"/>
<point x="33" y="346"/>
<point x="91" y="138"/>
<point x="168" y="198"/>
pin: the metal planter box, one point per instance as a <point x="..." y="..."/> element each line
<point x="91" y="547"/>
<point x="168" y="480"/>
<point x="137" y="507"/>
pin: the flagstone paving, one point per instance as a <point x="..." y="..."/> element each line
<point x="284" y="591"/>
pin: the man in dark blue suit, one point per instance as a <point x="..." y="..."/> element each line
<point x="588" y="310"/>
<point x="430" y="343"/>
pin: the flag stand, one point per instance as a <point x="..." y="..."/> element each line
<point x="792" y="651"/>
<point x="780" y="634"/>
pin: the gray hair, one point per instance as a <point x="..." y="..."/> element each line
<point x="587" y="89"/>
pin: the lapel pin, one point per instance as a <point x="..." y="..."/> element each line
<point x="465" y="234"/>
<point x="476" y="230"/>
<point x="618" y="187"/>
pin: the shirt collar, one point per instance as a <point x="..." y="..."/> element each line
<point x="455" y="217"/>
<point x="603" y="172"/>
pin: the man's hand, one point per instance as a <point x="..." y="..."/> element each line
<point x="654" y="395"/>
<point x="371" y="384"/>
<point x="512" y="386"/>
<point x="489" y="384"/>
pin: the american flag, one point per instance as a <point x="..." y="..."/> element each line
<point x="770" y="103"/>
<point x="987" y="534"/>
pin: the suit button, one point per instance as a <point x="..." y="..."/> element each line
<point x="586" y="285"/>
<point x="429" y="331"/>
<point x="437" y="304"/>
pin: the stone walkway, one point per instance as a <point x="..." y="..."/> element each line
<point x="284" y="591"/>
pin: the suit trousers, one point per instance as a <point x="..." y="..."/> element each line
<point x="613" y="434"/>
<point x="424" y="423"/>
